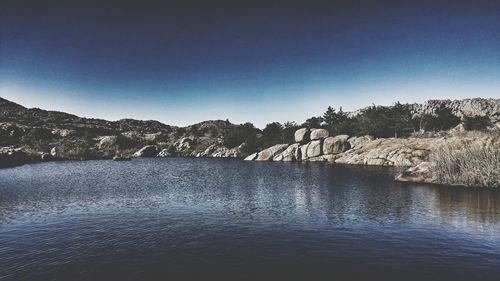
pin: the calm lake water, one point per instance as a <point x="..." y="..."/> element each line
<point x="183" y="218"/>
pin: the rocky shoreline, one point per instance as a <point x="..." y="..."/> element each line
<point x="412" y="155"/>
<point x="35" y="135"/>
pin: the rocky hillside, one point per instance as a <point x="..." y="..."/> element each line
<point x="28" y="135"/>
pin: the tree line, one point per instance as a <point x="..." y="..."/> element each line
<point x="379" y="121"/>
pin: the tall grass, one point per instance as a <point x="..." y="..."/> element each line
<point x="467" y="163"/>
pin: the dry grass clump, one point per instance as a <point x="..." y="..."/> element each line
<point x="467" y="163"/>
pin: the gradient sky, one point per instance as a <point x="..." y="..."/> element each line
<point x="188" y="61"/>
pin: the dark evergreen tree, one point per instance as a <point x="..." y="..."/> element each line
<point x="478" y="123"/>
<point x="442" y="119"/>
<point x="337" y="122"/>
<point x="289" y="129"/>
<point x="272" y="134"/>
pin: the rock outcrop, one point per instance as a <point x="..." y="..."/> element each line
<point x="299" y="151"/>
<point x="463" y="108"/>
<point x="343" y="149"/>
<point x="147" y="151"/>
<point x="388" y="152"/>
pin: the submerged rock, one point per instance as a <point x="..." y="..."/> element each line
<point x="419" y="173"/>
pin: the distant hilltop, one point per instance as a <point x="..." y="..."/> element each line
<point x="48" y="135"/>
<point x="461" y="108"/>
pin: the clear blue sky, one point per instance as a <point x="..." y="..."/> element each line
<point x="188" y="61"/>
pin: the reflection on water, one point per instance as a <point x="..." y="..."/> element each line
<point x="469" y="207"/>
<point x="214" y="213"/>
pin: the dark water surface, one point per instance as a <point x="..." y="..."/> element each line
<point x="181" y="218"/>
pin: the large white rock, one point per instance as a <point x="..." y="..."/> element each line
<point x="252" y="157"/>
<point x="318" y="134"/>
<point x="302" y="135"/>
<point x="336" y="145"/>
<point x="314" y="149"/>
<point x="268" y="153"/>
